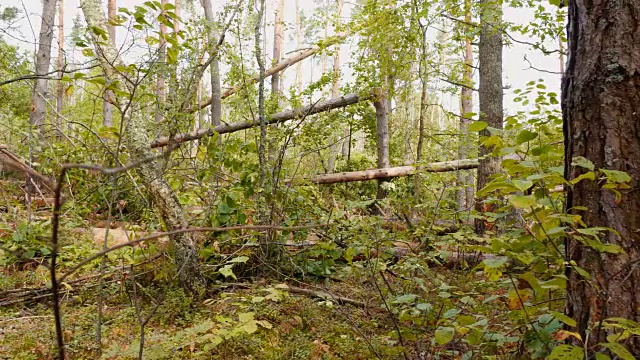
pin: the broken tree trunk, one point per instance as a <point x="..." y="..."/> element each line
<point x="279" y="117"/>
<point x="389" y="172"/>
<point x="279" y="67"/>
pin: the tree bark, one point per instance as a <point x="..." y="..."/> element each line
<point x="278" y="48"/>
<point x="299" y="38"/>
<point x="388" y="173"/>
<point x="279" y="117"/>
<point x="43" y="60"/>
<point x="465" y="192"/>
<point x="214" y="68"/>
<point x="137" y="141"/>
<point x="601" y="111"/>
<point x="60" y="90"/>
<point x="490" y="91"/>
<point x="109" y="96"/>
<point x="161" y="82"/>
<point x="382" y="131"/>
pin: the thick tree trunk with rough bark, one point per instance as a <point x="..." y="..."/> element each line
<point x="214" y="68"/>
<point x="43" y="60"/>
<point x="465" y="192"/>
<point x="601" y="110"/>
<point x="490" y="91"/>
<point x="137" y="141"/>
<point x="109" y="96"/>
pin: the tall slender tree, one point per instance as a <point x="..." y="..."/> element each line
<point x="465" y="191"/>
<point x="299" y="39"/>
<point x="161" y="81"/>
<point x="490" y="90"/>
<point x="214" y="68"/>
<point x="60" y="90"/>
<point x="601" y="111"/>
<point x="109" y="97"/>
<point x="278" y="47"/>
<point x="43" y="61"/>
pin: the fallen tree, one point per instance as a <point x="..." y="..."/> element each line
<point x="389" y="172"/>
<point x="279" y="117"/>
<point x="292" y="60"/>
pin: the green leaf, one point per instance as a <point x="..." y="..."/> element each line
<point x="523" y="201"/>
<point x="566" y="352"/>
<point x="602" y="357"/>
<point x="227" y="271"/>
<point x="523" y="185"/>
<point x="564" y="318"/>
<point x="405" y="299"/>
<point x="444" y="334"/>
<point x="619" y="350"/>
<point x="478" y="126"/>
<point x="239" y="259"/>
<point x="616" y="176"/>
<point x="586" y="176"/>
<point x="246" y="317"/>
<point x="583" y="162"/>
<point x="495" y="263"/>
<point x="525" y="136"/>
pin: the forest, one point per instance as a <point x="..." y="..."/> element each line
<point x="320" y="179"/>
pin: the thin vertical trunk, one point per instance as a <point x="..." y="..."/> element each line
<point x="382" y="131"/>
<point x="465" y="192"/>
<point x="173" y="70"/>
<point x="299" y="38"/>
<point x="60" y="90"/>
<point x="561" y="48"/>
<point x="43" y="61"/>
<point x="278" y="48"/>
<point x="601" y="112"/>
<point x="161" y="96"/>
<point x="216" y="89"/>
<point x="109" y="97"/>
<point x="490" y="91"/>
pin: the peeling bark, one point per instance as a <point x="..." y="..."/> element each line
<point x="214" y="68"/>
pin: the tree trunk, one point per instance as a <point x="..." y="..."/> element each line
<point x="491" y="110"/>
<point x="43" y="60"/>
<point x="278" y="117"/>
<point x="161" y="82"/>
<point x="299" y="38"/>
<point x="109" y="96"/>
<point x="382" y="130"/>
<point x="278" y="48"/>
<point x="137" y="141"/>
<point x="424" y="106"/>
<point x="601" y="110"/>
<point x="214" y="68"/>
<point x="465" y="192"/>
<point x="60" y="90"/>
<point x="390" y="172"/>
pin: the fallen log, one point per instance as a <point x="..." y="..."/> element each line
<point x="279" y="117"/>
<point x="389" y="172"/>
<point x="279" y="67"/>
<point x="14" y="162"/>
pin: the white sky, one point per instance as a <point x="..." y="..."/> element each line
<point x="516" y="69"/>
